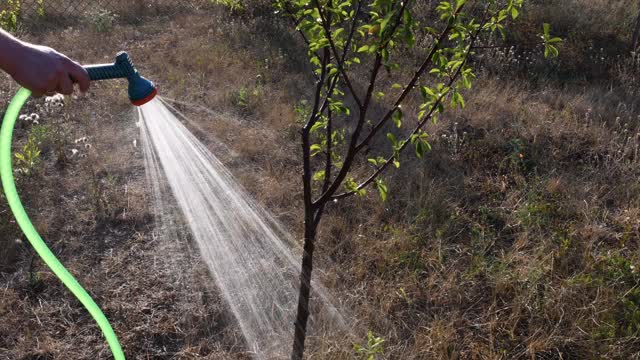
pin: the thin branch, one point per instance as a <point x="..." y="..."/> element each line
<point x="296" y="22"/>
<point x="353" y="150"/>
<point x="315" y="113"/>
<point x="340" y="64"/>
<point x="344" y="54"/>
<point x="346" y="165"/>
<point x="354" y="24"/>
<point x="327" y="168"/>
<point x="306" y="130"/>
<point x="377" y="64"/>
<point x="403" y="6"/>
<point x="421" y="124"/>
<point x="348" y="45"/>
<point x="328" y="164"/>
<point x="318" y="214"/>
<point x="410" y="86"/>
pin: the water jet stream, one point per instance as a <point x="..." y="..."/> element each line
<point x="251" y="257"/>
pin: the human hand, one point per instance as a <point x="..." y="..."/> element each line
<point x="45" y="71"/>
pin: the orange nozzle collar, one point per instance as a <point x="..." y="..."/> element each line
<point x="146" y="99"/>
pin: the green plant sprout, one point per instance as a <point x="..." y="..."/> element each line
<point x="373" y="346"/>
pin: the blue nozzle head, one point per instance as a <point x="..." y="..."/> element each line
<point x="141" y="90"/>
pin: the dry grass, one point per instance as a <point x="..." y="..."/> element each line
<point x="517" y="237"/>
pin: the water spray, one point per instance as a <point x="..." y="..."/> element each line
<point x="140" y="91"/>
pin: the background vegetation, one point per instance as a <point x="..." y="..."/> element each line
<point x="515" y="237"/>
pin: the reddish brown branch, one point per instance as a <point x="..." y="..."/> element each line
<point x="409" y="87"/>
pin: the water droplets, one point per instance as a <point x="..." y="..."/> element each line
<point x="253" y="260"/>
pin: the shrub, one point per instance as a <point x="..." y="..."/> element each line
<point x="10" y="15"/>
<point x="102" y="20"/>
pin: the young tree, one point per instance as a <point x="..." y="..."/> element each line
<point x="347" y="38"/>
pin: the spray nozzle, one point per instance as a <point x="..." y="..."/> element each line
<point x="141" y="90"/>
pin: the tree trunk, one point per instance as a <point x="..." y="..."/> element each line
<point x="636" y="32"/>
<point x="305" y="287"/>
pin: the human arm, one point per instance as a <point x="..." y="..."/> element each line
<point x="39" y="68"/>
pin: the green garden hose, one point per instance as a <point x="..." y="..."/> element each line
<point x="6" y="174"/>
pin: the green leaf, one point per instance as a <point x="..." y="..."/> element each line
<point x="364" y="48"/>
<point x="432" y="31"/>
<point x="319" y="176"/>
<point x="407" y="19"/>
<point x="385" y="55"/>
<point x="382" y="189"/>
<point x="427" y="92"/>
<point x="318" y="125"/>
<point x="392" y="138"/>
<point x="397" y="117"/>
<point x="350" y="184"/>
<point x="396" y="86"/>
<point x="385" y="22"/>
<point x="466" y="81"/>
<point x="514" y="13"/>
<point x="551" y="51"/>
<point x="419" y="149"/>
<point x="315" y="149"/>
<point x="457" y="99"/>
